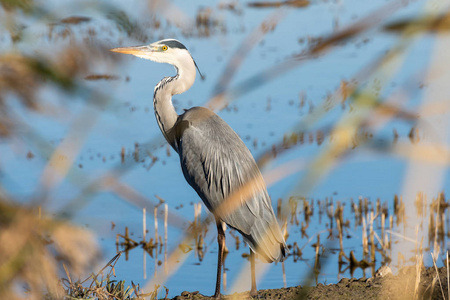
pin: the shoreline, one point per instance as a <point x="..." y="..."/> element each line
<point x="404" y="285"/>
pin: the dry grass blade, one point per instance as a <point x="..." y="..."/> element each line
<point x="344" y="134"/>
<point x="437" y="275"/>
<point x="32" y="249"/>
<point x="418" y="272"/>
<point x="403" y="237"/>
<point x="105" y="289"/>
<point x="129" y="194"/>
<point x="433" y="24"/>
<point x="234" y="200"/>
<point x="448" y="276"/>
<point x="67" y="274"/>
<point x="293" y="3"/>
<point x="170" y="12"/>
<point x="390" y="111"/>
<point x="126" y="23"/>
<point x="24" y="75"/>
<point x="366" y="23"/>
<point x="349" y="90"/>
<point x="177" y="256"/>
<point x="63" y="158"/>
<point x="75" y="20"/>
<point x="75" y="175"/>
<point x="427" y="174"/>
<point x="438" y="155"/>
<point x="26" y="6"/>
<point x="93" y="77"/>
<point x="111" y="263"/>
<point x="241" y="53"/>
<point x="89" y="190"/>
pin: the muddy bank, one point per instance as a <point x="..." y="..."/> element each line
<point x="401" y="286"/>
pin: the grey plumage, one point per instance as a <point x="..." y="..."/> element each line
<point x="215" y="162"/>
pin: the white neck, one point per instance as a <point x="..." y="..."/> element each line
<point x="165" y="89"/>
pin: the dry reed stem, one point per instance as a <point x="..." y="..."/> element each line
<point x="130" y="194"/>
<point x="430" y="153"/>
<point x="155" y="217"/>
<point x="166" y="215"/>
<point x="144" y="232"/>
<point x="33" y="245"/>
<point x="417" y="240"/>
<point x="437" y="274"/>
<point x="448" y="277"/>
<point x="217" y="101"/>
<point x="364" y="237"/>
<point x="292" y="3"/>
<point x="372" y="242"/>
<point x="63" y="158"/>
<point x="224" y="277"/>
<point x="419" y="259"/>
<point x="234" y="200"/>
<point x="172" y="13"/>
<point x="239" y="197"/>
<point x="436" y="247"/>
<point x="427" y="174"/>
<point x="383" y="245"/>
<point x="404" y="237"/>
<point x="338" y="225"/>
<point x="310" y="119"/>
<point x="351" y="31"/>
<point x="325" y="162"/>
<point x="144" y="224"/>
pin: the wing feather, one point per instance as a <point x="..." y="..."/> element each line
<point x="216" y="163"/>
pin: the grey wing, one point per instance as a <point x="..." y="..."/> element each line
<point x="215" y="162"/>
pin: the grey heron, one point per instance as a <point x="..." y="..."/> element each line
<point x="214" y="160"/>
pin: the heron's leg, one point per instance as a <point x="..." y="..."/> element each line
<point x="253" y="291"/>
<point x="221" y="241"/>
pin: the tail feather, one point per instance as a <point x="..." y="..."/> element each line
<point x="267" y="240"/>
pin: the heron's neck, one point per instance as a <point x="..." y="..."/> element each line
<point x="165" y="113"/>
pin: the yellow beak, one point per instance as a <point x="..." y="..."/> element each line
<point x="135" y="50"/>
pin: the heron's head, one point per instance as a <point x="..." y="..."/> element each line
<point x="165" y="51"/>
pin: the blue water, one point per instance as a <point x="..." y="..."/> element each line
<point x="128" y="119"/>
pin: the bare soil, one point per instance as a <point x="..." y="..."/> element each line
<point x="400" y="286"/>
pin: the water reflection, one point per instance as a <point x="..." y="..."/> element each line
<point x="358" y="235"/>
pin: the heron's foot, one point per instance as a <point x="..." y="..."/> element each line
<point x="217" y="295"/>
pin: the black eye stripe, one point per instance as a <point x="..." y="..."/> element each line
<point x="174" y="44"/>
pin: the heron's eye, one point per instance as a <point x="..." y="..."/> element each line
<point x="164" y="47"/>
